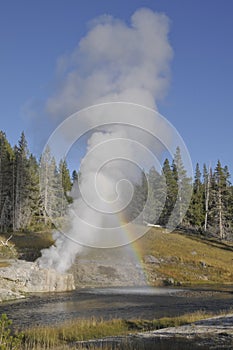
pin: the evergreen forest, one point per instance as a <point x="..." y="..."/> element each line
<point x="27" y="200"/>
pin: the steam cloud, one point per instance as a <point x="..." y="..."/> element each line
<point x="114" y="62"/>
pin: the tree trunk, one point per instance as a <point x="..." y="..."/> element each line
<point x="221" y="230"/>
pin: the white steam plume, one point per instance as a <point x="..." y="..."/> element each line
<point x="113" y="62"/>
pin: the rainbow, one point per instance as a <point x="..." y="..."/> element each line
<point x="133" y="234"/>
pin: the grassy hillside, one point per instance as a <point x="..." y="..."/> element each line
<point x="186" y="258"/>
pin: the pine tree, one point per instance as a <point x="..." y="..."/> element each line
<point x="221" y="198"/>
<point x="21" y="203"/>
<point x="171" y="192"/>
<point x="230" y="213"/>
<point x="6" y="183"/>
<point x="196" y="212"/>
<point x="51" y="191"/>
<point x="228" y="205"/>
<point x="34" y="192"/>
<point x="156" y="197"/>
<point x="136" y="207"/>
<point x="65" y="179"/>
<point x="184" y="189"/>
<point x="206" y="182"/>
<point x="74" y="176"/>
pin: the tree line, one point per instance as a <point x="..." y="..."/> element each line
<point x="27" y="200"/>
<point x="209" y="208"/>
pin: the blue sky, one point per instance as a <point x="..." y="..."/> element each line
<point x="199" y="102"/>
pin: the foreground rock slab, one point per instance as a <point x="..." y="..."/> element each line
<point x="208" y="327"/>
<point x="21" y="277"/>
<point x="214" y="333"/>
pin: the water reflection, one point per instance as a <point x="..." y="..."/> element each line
<point x="145" y="290"/>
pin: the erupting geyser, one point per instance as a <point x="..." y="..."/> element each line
<point x="117" y="69"/>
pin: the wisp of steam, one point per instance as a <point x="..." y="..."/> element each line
<point x="120" y="70"/>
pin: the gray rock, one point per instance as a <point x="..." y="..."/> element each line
<point x="6" y="295"/>
<point x="203" y="264"/>
<point x="150" y="259"/>
<point x="26" y="277"/>
<point x="108" y="267"/>
<point x="169" y="281"/>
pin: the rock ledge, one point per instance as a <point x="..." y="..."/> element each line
<point x="27" y="277"/>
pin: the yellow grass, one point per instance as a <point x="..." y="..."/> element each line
<point x="75" y="330"/>
<point x="59" y="336"/>
<point x="188" y="259"/>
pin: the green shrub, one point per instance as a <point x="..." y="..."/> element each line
<point x="8" y="340"/>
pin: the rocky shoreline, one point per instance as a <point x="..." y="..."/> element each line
<point x="20" y="277"/>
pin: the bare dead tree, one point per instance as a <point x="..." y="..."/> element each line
<point x="207" y="197"/>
